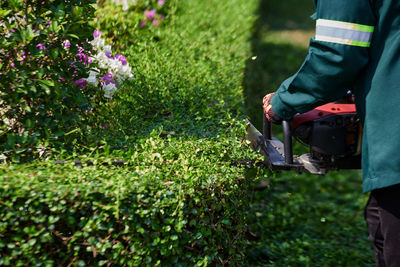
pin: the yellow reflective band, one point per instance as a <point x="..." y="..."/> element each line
<point x="341" y="41"/>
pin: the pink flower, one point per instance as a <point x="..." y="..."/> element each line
<point x="155" y="23"/>
<point x="143" y="23"/>
<point x="66" y="44"/>
<point x="108" y="54"/>
<point x="83" y="58"/>
<point x="40" y="46"/>
<point x="97" y="33"/>
<point x="107" y="79"/>
<point x="107" y="76"/>
<point x="21" y="56"/>
<point x="149" y="14"/>
<point x="160" y="2"/>
<point x="121" y="58"/>
<point x="81" y="83"/>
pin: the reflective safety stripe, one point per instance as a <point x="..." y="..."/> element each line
<point x="343" y="33"/>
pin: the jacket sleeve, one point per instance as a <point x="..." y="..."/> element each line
<point x="336" y="55"/>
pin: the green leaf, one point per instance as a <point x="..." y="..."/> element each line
<point x="47" y="82"/>
<point x="33" y="89"/>
<point x="54" y="26"/>
<point x="54" y="53"/>
<point x="4" y="12"/>
<point x="27" y="108"/>
<point x="32" y="242"/>
<point x="28" y="123"/>
<point x="226" y="221"/>
<point x="46" y="88"/>
<point x="73" y="35"/>
<point x="72" y="131"/>
<point x="27" y="34"/>
<point x="60" y="10"/>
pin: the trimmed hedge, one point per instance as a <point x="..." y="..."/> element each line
<point x="178" y="200"/>
<point x="162" y="208"/>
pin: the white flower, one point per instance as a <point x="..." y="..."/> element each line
<point x="103" y="60"/>
<point x="114" y="65"/>
<point x="125" y="3"/>
<point x="127" y="71"/>
<point x="109" y="64"/>
<point x="98" y="43"/>
<point x="3" y="25"/>
<point x="109" y="90"/>
<point x="107" y="48"/>
<point x="3" y="158"/>
<point x="92" y="79"/>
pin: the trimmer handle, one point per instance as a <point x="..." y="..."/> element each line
<point x="287" y="142"/>
<point x="267" y="131"/>
<point x="287" y="138"/>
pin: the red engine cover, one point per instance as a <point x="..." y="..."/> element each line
<point x="321" y="112"/>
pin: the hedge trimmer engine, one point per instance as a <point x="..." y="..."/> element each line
<point x="332" y="132"/>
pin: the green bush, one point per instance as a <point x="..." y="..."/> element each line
<point x="123" y="26"/>
<point x="39" y="104"/>
<point x="187" y="72"/>
<point x="177" y="200"/>
<point x="163" y="208"/>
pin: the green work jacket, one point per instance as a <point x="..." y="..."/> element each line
<point x="356" y="47"/>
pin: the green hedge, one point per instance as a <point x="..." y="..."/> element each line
<point x="178" y="125"/>
<point x="162" y="208"/>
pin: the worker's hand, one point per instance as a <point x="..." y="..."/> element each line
<point x="268" y="111"/>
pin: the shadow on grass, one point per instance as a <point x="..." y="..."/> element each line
<point x="273" y="61"/>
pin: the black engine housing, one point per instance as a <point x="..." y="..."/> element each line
<point x="333" y="136"/>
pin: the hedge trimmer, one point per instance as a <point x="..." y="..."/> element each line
<point x="332" y="132"/>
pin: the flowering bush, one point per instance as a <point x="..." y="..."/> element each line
<point x="151" y="15"/>
<point x="127" y="3"/>
<point x="133" y="17"/>
<point x="117" y="67"/>
<point x="42" y="54"/>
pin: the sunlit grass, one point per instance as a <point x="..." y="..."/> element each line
<point x="298" y="38"/>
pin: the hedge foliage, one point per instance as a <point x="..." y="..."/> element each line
<point x="163" y="208"/>
<point x="133" y="21"/>
<point x="178" y="200"/>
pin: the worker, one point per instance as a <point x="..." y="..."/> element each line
<point x="357" y="47"/>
